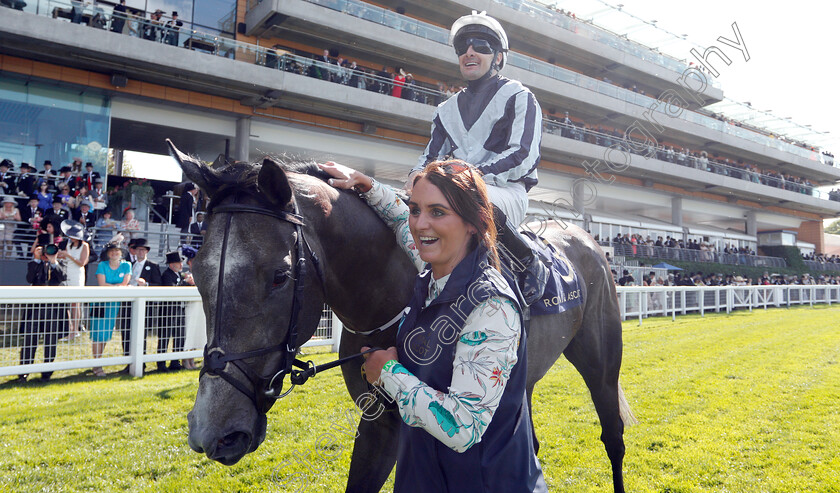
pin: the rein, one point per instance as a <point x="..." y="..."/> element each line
<point x="217" y="362"/>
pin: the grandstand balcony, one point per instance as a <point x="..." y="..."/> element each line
<point x="534" y="30"/>
<point x="247" y="80"/>
<point x="358" y="29"/>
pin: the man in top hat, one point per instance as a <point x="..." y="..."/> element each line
<point x="26" y="180"/>
<point x="144" y="272"/>
<point x="172" y="28"/>
<point x="57" y="213"/>
<point x="49" y="319"/>
<point x="84" y="215"/>
<point x="49" y="175"/>
<point x="172" y="313"/>
<point x="8" y="184"/>
<point x="66" y="178"/>
<point x="90" y="176"/>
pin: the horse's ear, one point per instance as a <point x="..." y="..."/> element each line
<point x="198" y="172"/>
<point x="274" y="183"/>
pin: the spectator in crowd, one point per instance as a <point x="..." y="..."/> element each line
<point x="187" y="207"/>
<point x="10" y="215"/>
<point x="65" y="196"/>
<point x="8" y="184"/>
<point x="172" y="313"/>
<point x="114" y="272"/>
<point x="57" y="212"/>
<point x="44" y="196"/>
<point x="44" y="319"/>
<point x="196" y="323"/>
<point x="118" y="17"/>
<point x="99" y="197"/>
<point x="144" y="272"/>
<point x="399" y="82"/>
<point x="76" y="254"/>
<point x="173" y="28"/>
<point x="198" y="229"/>
<point x="46" y="235"/>
<point x="84" y="215"/>
<point x="48" y="175"/>
<point x="82" y="195"/>
<point x="129" y="223"/>
<point x="26" y="181"/>
<point x="78" y="9"/>
<point x="626" y="279"/>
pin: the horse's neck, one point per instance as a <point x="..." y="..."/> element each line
<point x="367" y="277"/>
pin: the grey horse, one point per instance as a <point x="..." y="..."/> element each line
<point x="266" y="217"/>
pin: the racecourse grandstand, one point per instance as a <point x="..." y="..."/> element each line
<point x="357" y="82"/>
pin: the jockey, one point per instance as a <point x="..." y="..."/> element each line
<point x="494" y="124"/>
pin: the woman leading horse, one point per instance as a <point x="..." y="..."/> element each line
<point x="458" y="373"/>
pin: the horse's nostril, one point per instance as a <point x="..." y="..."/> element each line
<point x="231" y="448"/>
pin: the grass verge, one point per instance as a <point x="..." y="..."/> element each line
<point x="741" y="402"/>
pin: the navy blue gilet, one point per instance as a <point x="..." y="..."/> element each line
<point x="504" y="459"/>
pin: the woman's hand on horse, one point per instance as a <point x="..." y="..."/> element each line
<point x="376" y="360"/>
<point x="346" y="178"/>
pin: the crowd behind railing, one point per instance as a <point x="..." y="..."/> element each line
<point x="653" y="278"/>
<point x="735" y="168"/>
<point x="35" y="206"/>
<point x="692" y="250"/>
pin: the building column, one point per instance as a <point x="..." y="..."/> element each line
<point x="812" y="232"/>
<point x="242" y="142"/>
<point x="752" y="225"/>
<point x="676" y="211"/>
<point x="579" y="198"/>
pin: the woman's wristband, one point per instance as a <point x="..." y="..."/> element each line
<point x="389" y="364"/>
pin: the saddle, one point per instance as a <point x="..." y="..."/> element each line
<point x="550" y="287"/>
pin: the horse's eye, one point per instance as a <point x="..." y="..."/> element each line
<point x="280" y="277"/>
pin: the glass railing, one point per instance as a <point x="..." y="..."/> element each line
<point x="597" y="34"/>
<point x="582" y="134"/>
<point x="386" y="17"/>
<point x="361" y="78"/>
<point x="219" y="45"/>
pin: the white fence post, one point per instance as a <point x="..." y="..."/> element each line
<point x="337" y="329"/>
<point x="138" y="336"/>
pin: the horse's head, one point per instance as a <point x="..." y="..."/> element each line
<point x="255" y="297"/>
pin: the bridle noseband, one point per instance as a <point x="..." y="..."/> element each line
<point x="264" y="390"/>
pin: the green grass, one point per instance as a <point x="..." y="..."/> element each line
<point x="746" y="402"/>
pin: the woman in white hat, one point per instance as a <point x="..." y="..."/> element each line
<point x="77" y="254"/>
<point x="8" y="213"/>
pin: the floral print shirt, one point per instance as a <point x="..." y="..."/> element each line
<point x="484" y="355"/>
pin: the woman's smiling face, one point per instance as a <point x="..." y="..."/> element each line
<point x="441" y="235"/>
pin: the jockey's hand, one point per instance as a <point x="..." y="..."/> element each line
<point x="346" y="178"/>
<point x="376" y="360"/>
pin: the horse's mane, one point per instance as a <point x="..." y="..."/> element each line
<point x="235" y="176"/>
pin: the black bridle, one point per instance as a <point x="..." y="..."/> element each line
<point x="265" y="390"/>
<point x="218" y="362"/>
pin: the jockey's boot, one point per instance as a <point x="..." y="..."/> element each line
<point x="531" y="273"/>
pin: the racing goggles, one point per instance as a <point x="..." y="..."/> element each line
<point x="480" y="45"/>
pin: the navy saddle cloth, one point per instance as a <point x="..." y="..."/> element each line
<point x="562" y="291"/>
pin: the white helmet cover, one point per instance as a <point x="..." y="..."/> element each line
<point x="480" y="22"/>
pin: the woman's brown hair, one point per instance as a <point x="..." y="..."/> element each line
<point x="464" y="189"/>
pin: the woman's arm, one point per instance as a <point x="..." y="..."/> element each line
<point x="100" y="279"/>
<point x="382" y="199"/>
<point x="484" y="358"/>
<point x="83" y="257"/>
